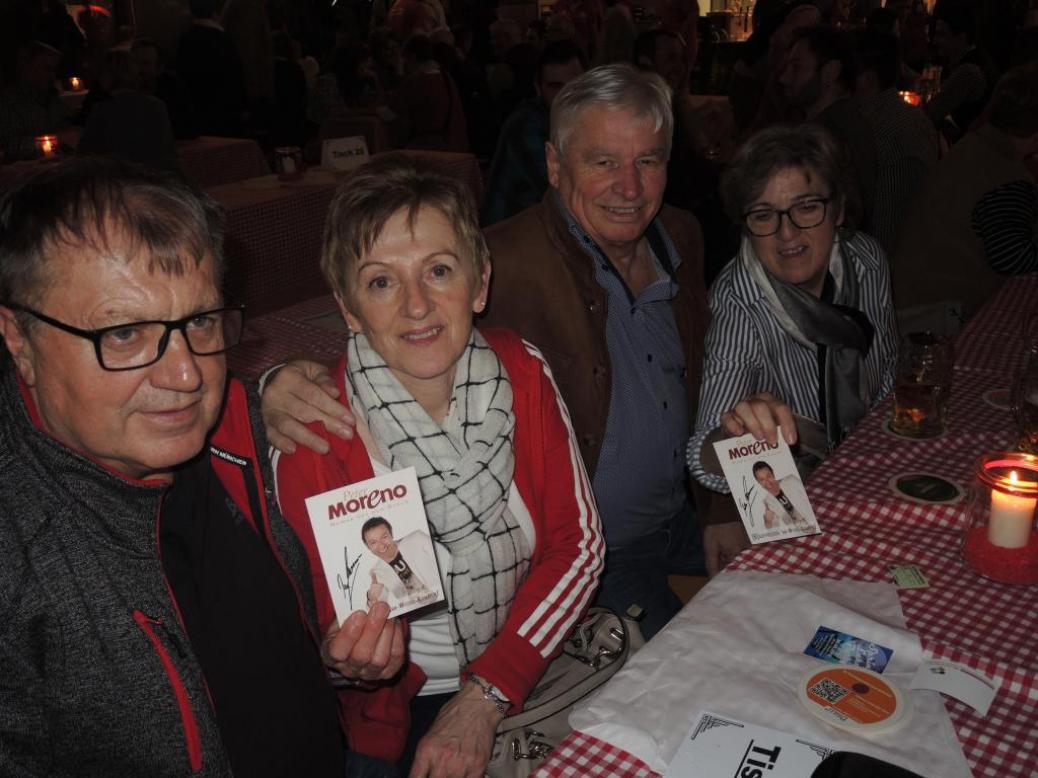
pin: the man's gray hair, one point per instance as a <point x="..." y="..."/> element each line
<point x="615" y="87"/>
<point x="86" y="202"/>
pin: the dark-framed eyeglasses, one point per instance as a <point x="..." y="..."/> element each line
<point x="806" y="214"/>
<point x="139" y="344"/>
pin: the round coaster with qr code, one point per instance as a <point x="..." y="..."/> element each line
<point x="926" y="488"/>
<point x="998" y="398"/>
<point x="853" y="698"/>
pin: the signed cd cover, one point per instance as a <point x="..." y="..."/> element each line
<point x="767" y="489"/>
<point x="374" y="542"/>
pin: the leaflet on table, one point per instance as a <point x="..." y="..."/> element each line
<point x="959" y="681"/>
<point x="767" y="489"/>
<point x="374" y="542"/>
<point x="843" y="649"/>
<point x="719" y="745"/>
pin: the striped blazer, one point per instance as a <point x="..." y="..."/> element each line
<point x="748" y="352"/>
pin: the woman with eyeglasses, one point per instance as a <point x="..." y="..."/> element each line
<point x="802" y="324"/>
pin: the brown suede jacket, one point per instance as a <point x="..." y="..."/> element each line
<point x="543" y="287"/>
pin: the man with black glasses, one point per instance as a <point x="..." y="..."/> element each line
<point x="155" y="611"/>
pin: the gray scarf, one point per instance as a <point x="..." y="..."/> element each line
<point x="839" y="326"/>
<point x="464" y="470"/>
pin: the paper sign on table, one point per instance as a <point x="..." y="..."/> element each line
<point x="963" y="683"/>
<point x="719" y="745"/>
<point x="843" y="649"/>
<point x="344" y="153"/>
<point x="373" y="539"/>
<point x="908" y="577"/>
<point x="767" y="489"/>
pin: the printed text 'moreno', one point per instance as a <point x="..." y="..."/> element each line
<point x="361" y="502"/>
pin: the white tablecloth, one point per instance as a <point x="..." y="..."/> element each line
<point x="737" y="649"/>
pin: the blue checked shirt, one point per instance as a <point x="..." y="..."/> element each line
<point x="639" y="481"/>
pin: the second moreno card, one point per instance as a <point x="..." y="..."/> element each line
<point x="374" y="542"/>
<point x="767" y="489"/>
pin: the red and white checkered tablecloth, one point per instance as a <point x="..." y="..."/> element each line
<point x="999" y="337"/>
<point x="210" y="161"/>
<point x="272" y="339"/>
<point x="273" y="240"/>
<point x="961" y="617"/>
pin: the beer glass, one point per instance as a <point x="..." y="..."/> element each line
<point x="1024" y="400"/>
<point x="922" y="386"/>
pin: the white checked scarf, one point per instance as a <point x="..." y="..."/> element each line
<point x="464" y="471"/>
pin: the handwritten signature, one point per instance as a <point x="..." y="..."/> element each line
<point x="346" y="584"/>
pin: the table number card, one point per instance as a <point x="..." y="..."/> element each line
<point x="767" y="489"/>
<point x="373" y="539"/>
<point x="344" y="153"/>
<point x="722" y="746"/>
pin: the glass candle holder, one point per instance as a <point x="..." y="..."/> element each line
<point x="1001" y="542"/>
<point x="912" y="98"/>
<point x="288" y="162"/>
<point x="46" y="145"/>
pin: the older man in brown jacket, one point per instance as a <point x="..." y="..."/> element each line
<point x="609" y="285"/>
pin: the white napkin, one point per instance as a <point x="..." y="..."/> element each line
<point x="737" y="649"/>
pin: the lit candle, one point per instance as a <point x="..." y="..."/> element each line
<point x="1012" y="514"/>
<point x="74" y="82"/>
<point x="912" y="98"/>
<point x="47" y="144"/>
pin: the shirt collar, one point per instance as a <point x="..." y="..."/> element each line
<point x="659" y="240"/>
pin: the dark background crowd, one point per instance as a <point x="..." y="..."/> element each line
<point x="479" y="77"/>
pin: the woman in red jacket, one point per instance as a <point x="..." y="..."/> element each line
<point x="514" y="525"/>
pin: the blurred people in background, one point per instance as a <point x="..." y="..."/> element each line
<point x="511" y="76"/>
<point x="31" y="106"/>
<point x="411" y="17"/>
<point x="288" y="118"/>
<point x="483" y="122"/>
<point x="428" y="105"/>
<point x="153" y="79"/>
<point x="247" y="26"/>
<point x="55" y="27"/>
<point x="518" y="176"/>
<point x="974" y="221"/>
<point x="387" y="59"/>
<point x="753" y="90"/>
<point x="966" y="78"/>
<point x="618" y="34"/>
<point x="905" y="140"/>
<point x="212" y="70"/>
<point x="818" y="80"/>
<point x="129" y="124"/>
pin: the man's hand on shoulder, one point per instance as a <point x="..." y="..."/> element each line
<point x="299" y="393"/>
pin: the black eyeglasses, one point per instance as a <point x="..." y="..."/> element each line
<point x="806" y="214"/>
<point x="141" y="343"/>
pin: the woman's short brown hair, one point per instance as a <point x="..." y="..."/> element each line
<point x="807" y="147"/>
<point x="370" y="196"/>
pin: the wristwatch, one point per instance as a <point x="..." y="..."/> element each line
<point x="492" y="693"/>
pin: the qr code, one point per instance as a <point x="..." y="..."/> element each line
<point x="830" y="691"/>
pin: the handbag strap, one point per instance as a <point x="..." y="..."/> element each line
<point x="598" y="619"/>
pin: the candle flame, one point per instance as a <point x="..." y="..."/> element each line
<point x="1013" y="478"/>
<point x="47" y="147"/>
